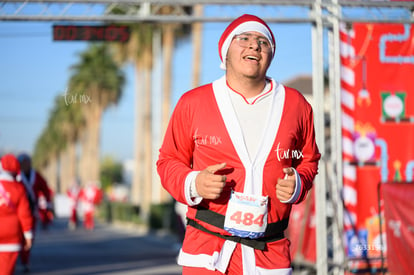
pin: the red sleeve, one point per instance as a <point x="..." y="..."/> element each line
<point x="98" y="197"/>
<point x="42" y="187"/>
<point x="175" y="158"/>
<point x="307" y="167"/>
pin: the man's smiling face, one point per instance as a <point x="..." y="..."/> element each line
<point x="249" y="55"/>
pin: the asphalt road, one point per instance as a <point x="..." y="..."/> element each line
<point x="105" y="250"/>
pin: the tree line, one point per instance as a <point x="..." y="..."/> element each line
<point x="69" y="146"/>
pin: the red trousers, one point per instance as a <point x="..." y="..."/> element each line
<point x="73" y="219"/>
<point x="8" y="262"/>
<point x="88" y="220"/>
<point x="199" y="271"/>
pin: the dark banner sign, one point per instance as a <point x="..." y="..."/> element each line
<point x="91" y="33"/>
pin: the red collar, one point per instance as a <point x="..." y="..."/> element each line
<point x="260" y="96"/>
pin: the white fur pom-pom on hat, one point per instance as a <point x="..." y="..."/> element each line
<point x="244" y="23"/>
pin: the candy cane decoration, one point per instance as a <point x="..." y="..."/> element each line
<point x="349" y="194"/>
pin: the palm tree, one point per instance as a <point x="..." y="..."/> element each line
<point x="47" y="149"/>
<point x="139" y="51"/>
<point x="197" y="42"/>
<point x="170" y="33"/>
<point x="96" y="82"/>
<point x="71" y="125"/>
<point x="73" y="114"/>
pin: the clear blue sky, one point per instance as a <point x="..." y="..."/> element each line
<point x="34" y="69"/>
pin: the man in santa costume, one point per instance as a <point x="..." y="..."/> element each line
<point x="239" y="152"/>
<point x="73" y="193"/>
<point x="15" y="216"/>
<point x="90" y="196"/>
<point x="36" y="186"/>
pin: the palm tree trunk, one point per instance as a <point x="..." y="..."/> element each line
<point x="95" y="142"/>
<point x="83" y="157"/>
<point x="50" y="173"/>
<point x="91" y="143"/>
<point x="67" y="166"/>
<point x="197" y="42"/>
<point x="147" y="139"/>
<point x="72" y="160"/>
<point x="168" y="48"/>
<point x="64" y="169"/>
<point x="138" y="178"/>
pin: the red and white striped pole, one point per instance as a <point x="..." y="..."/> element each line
<point x="349" y="192"/>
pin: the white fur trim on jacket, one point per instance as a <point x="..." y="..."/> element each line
<point x="10" y="247"/>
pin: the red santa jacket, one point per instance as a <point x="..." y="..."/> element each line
<point x="35" y="187"/>
<point x="202" y="132"/>
<point x="15" y="214"/>
<point x="90" y="195"/>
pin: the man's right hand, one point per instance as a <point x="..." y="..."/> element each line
<point x="208" y="184"/>
<point x="28" y="244"/>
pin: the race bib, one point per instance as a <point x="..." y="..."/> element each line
<point x="246" y="215"/>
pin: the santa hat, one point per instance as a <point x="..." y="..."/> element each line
<point x="10" y="164"/>
<point x="244" y="23"/>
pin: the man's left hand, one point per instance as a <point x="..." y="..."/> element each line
<point x="286" y="187"/>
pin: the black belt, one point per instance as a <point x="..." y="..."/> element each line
<point x="274" y="231"/>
